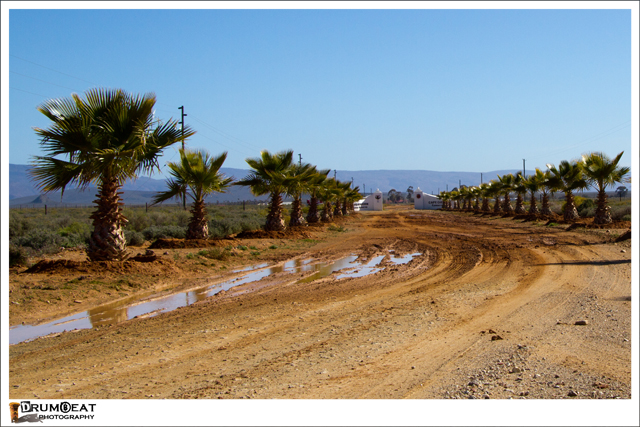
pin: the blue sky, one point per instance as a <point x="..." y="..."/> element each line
<point x="444" y="90"/>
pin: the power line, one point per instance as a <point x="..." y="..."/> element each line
<point x="40" y="80"/>
<point x="48" y="68"/>
<point x="588" y="140"/>
<point x="226" y="135"/>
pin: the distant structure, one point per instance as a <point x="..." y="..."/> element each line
<point x="423" y="200"/>
<point x="372" y="202"/>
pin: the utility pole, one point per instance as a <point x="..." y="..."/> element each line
<point x="184" y="195"/>
<point x="364" y="189"/>
<point x="523" y="173"/>
<point x="351" y="181"/>
<point x="481" y="178"/>
<point x="334" y="174"/>
<point x="300" y="162"/>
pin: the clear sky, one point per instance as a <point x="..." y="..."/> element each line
<point x="444" y="90"/>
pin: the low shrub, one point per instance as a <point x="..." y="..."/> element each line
<point x="164" y="232"/>
<point x="587" y="208"/>
<point x="17" y="256"/>
<point x="134" y="238"/>
<point x="214" y="253"/>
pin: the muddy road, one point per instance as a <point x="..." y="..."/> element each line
<point x="490" y="308"/>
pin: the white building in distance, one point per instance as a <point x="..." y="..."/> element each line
<point x="372" y="202"/>
<point x="423" y="200"/>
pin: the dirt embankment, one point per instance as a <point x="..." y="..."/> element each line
<point x="493" y="308"/>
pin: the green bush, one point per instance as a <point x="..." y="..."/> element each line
<point x="619" y="212"/>
<point x="134" y="238"/>
<point x="164" y="232"/>
<point x="17" y="256"/>
<point x="214" y="253"/>
<point x="587" y="208"/>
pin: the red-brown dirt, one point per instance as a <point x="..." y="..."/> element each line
<point x="494" y="308"/>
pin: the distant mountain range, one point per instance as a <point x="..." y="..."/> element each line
<point x="22" y="190"/>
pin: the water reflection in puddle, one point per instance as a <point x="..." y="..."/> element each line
<point x="151" y="305"/>
<point x="404" y="259"/>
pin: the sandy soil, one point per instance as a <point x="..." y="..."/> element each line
<point x="494" y="308"/>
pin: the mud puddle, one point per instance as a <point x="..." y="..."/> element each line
<point x="150" y="305"/>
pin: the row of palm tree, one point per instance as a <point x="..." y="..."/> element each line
<point x="109" y="137"/>
<point x="277" y="175"/>
<point x="593" y="169"/>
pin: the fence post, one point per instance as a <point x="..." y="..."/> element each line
<point x="45" y="209"/>
<point x="146" y="207"/>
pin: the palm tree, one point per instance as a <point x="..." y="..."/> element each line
<point x="520" y="189"/>
<point x="603" y="172"/>
<point x="444" y="196"/>
<point x="198" y="175"/>
<point x="567" y="177"/>
<point x="494" y="192"/>
<point x="313" y="187"/>
<point x="299" y="175"/>
<point x="533" y="184"/>
<point x="341" y="200"/>
<point x="455" y="196"/>
<point x="485" y="193"/>
<point x="269" y="176"/>
<point x="106" y="139"/>
<point x="327" y="193"/>
<point x="351" y="196"/>
<point x="506" y="185"/>
<point x="474" y="193"/>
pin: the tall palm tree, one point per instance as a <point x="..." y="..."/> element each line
<point x="351" y="196"/>
<point x="197" y="175"/>
<point x="299" y="175"/>
<point x="313" y="187"/>
<point x="506" y="185"/>
<point x="269" y="176"/>
<point x="600" y="170"/>
<point x="444" y="196"/>
<point x="455" y="196"/>
<point x="485" y="193"/>
<point x="533" y="184"/>
<point x="494" y="192"/>
<point x="521" y="190"/>
<point x="475" y="198"/>
<point x="104" y="139"/>
<point x="328" y="193"/>
<point x="341" y="202"/>
<point x="567" y="177"/>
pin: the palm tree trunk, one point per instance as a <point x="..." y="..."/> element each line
<point x="603" y="211"/>
<point x="497" y="207"/>
<point x="107" y="242"/>
<point x="326" y="212"/>
<point x="485" y="204"/>
<point x="533" y="208"/>
<point x="476" y="206"/>
<point x="337" y="211"/>
<point x="275" y="222"/>
<point x="520" y="205"/>
<point x="198" y="227"/>
<point x="296" y="213"/>
<point x="344" y="207"/>
<point x="546" y="210"/>
<point x="312" y="215"/>
<point x="570" y="211"/>
<point x="507" y="208"/>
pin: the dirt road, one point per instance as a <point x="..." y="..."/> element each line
<point x="493" y="308"/>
